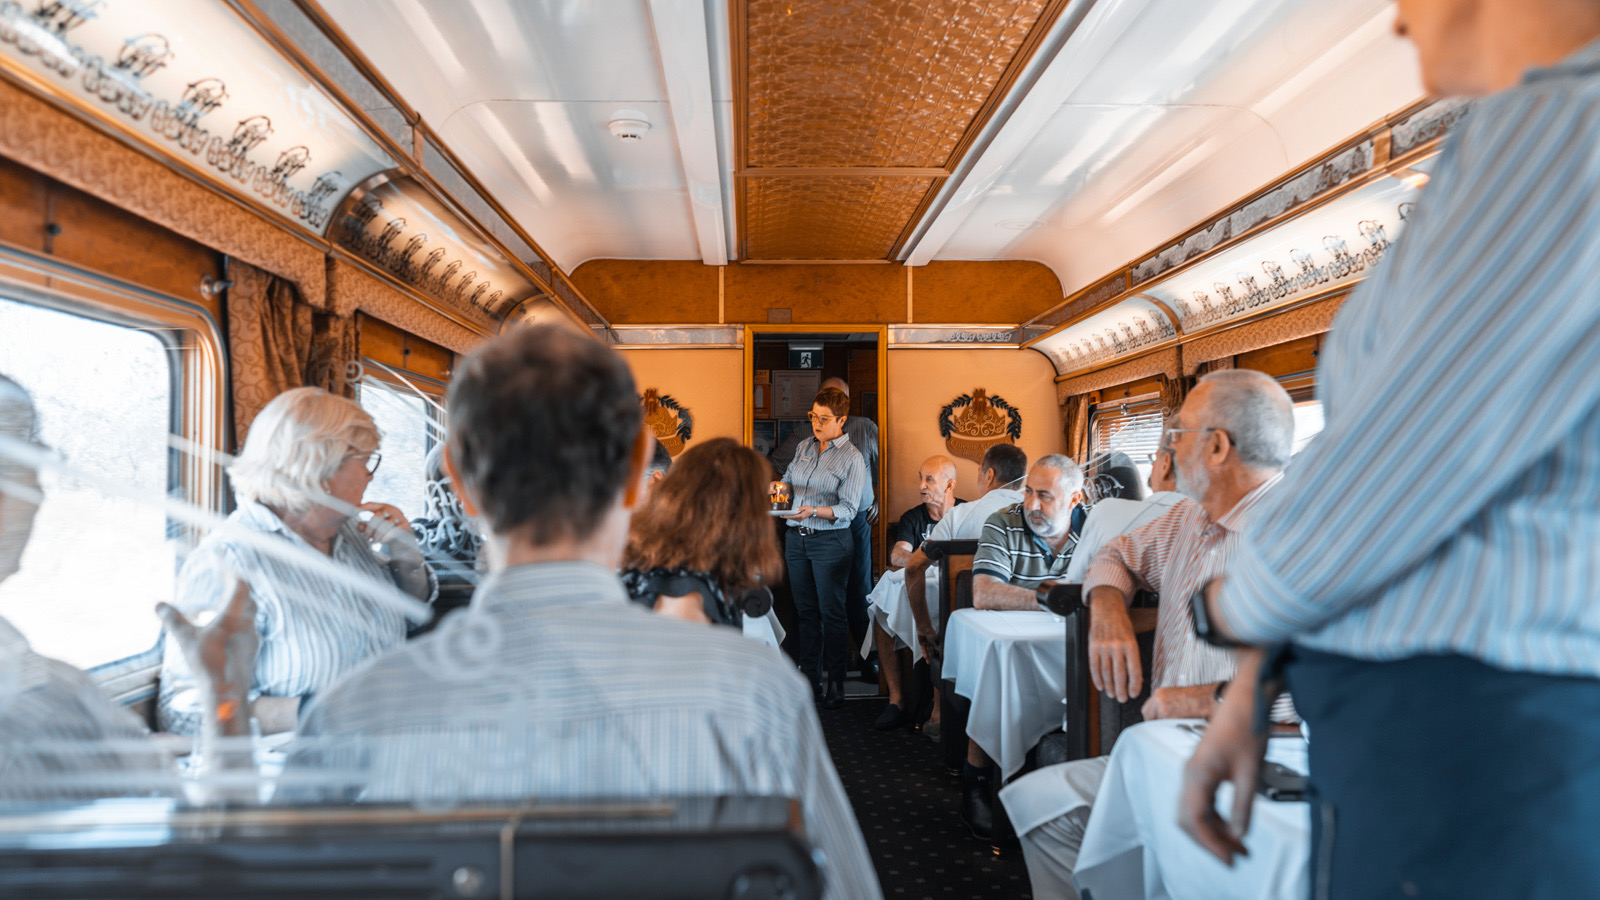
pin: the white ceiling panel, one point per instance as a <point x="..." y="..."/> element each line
<point x="1163" y="112"/>
<point x="522" y="92"/>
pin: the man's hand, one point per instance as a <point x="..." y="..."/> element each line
<point x="872" y="513"/>
<point x="1197" y="702"/>
<point x="1227" y="752"/>
<point x="1114" y="666"/>
<point x="222" y="656"/>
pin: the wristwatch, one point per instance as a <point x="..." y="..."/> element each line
<point x="1204" y="628"/>
<point x="1221" y="686"/>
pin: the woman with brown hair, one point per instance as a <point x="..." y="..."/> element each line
<point x="704" y="537"/>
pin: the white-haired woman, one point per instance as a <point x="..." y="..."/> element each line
<point x="305" y="447"/>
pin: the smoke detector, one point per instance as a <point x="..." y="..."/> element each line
<point x="629" y="126"/>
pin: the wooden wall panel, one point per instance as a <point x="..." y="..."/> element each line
<point x="101" y="237"/>
<point x="817" y="294"/>
<point x="1290" y="358"/>
<point x="650" y="292"/>
<point x="999" y="292"/>
<point x="394" y="347"/>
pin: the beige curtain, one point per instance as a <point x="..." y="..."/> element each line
<point x="276" y="342"/>
<point x="1075" y="426"/>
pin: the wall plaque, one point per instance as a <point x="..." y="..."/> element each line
<point x="972" y="423"/>
<point x="670" y="422"/>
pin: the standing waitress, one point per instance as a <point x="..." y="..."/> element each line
<point x="827" y="475"/>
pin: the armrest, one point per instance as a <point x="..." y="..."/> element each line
<point x="937" y="550"/>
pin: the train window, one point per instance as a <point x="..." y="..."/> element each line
<point x="1132" y="426"/>
<point x="95" y="565"/>
<point x="406" y="422"/>
<point x="1307" y="423"/>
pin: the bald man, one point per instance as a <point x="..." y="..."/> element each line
<point x="937" y="486"/>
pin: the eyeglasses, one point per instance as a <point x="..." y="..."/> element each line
<point x="371" y="463"/>
<point x="1166" y="440"/>
<point x="820" y="420"/>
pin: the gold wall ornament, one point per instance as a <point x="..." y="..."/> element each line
<point x="670" y="422"/>
<point x="972" y="423"/>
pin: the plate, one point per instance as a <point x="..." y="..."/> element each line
<point x="780" y="512"/>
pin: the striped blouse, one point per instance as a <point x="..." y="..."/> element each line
<point x="1175" y="555"/>
<point x="834" y="477"/>
<point x="313" y="629"/>
<point x="1452" y="503"/>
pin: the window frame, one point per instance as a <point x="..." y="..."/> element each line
<point x="199" y="407"/>
<point x="1155" y="402"/>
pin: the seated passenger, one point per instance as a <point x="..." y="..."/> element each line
<point x="937" y="485"/>
<point x="1229" y="443"/>
<point x="305" y="466"/>
<point x="61" y="737"/>
<point x="1022" y="547"/>
<point x="1002" y="470"/>
<point x="552" y="684"/>
<point x="720" y="486"/>
<point x="1113" y="516"/>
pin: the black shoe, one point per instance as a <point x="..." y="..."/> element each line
<point x="976" y="813"/>
<point x="869" y="670"/>
<point x="891" y="718"/>
<point x="833" y="698"/>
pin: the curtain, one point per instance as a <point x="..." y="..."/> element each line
<point x="1173" y="390"/>
<point x="1075" y="426"/>
<point x="276" y="341"/>
<point x="1215" y="365"/>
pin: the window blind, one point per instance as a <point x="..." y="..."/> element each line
<point x="1132" y="425"/>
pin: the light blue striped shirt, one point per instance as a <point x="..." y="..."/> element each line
<point x="313" y="629"/>
<point x="1452" y="504"/>
<point x="552" y="685"/>
<point x="835" y="477"/>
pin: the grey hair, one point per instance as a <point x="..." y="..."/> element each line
<point x="837" y="382"/>
<point x="20" y="422"/>
<point x="1257" y="414"/>
<point x="296" y="443"/>
<point x="1070" y="477"/>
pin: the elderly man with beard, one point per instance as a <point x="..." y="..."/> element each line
<point x="1022" y="547"/>
<point x="1229" y="444"/>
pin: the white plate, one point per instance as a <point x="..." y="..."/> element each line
<point x="780" y="512"/>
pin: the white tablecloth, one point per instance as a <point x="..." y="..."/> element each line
<point x="890" y="607"/>
<point x="765" y="628"/>
<point x="1012" y="665"/>
<point x="1134" y="848"/>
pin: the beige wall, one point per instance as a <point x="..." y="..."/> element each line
<point x="708" y="383"/>
<point x="921" y="382"/>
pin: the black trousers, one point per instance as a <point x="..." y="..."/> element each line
<point x="1442" y="777"/>
<point x="860" y="577"/>
<point x="819" y="572"/>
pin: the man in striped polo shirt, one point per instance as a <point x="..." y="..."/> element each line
<point x="1032" y="542"/>
<point x="1022" y="546"/>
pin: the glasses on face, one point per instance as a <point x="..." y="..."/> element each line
<point x="820" y="420"/>
<point x="370" y="463"/>
<point x="1166" y="439"/>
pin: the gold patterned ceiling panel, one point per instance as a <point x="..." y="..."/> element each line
<point x="864" y="103"/>
<point x="834" y="217"/>
<point x="873" y="83"/>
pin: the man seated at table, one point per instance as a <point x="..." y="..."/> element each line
<point x="1229" y="443"/>
<point x="937" y="486"/>
<point x="1000" y="475"/>
<point x="551" y="684"/>
<point x="1022" y="547"/>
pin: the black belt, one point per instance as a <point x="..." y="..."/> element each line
<point x="807" y="531"/>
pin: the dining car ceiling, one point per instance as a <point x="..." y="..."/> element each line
<point x="1078" y="134"/>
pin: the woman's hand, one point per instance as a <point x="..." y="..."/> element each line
<point x="387" y="523"/>
<point x="804" y="512"/>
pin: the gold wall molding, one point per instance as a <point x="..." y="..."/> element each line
<point x="351" y="289"/>
<point x="1302" y="321"/>
<point x="1162" y="362"/>
<point x="42" y="137"/>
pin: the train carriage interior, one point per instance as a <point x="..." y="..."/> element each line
<point x="382" y="344"/>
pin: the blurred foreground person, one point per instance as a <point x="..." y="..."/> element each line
<point x="707" y="521"/>
<point x="61" y="738"/>
<point x="552" y="684"/>
<point x="305" y="466"/>
<point x="1430" y="562"/>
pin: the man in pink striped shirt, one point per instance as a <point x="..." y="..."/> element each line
<point x="1229" y="444"/>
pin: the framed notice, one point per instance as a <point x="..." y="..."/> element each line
<point x="764" y="437"/>
<point x="761" y="401"/>
<point x="793" y="391"/>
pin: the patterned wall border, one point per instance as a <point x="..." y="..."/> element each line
<point x="1315" y="317"/>
<point x="1162" y="362"/>
<point x="351" y="289"/>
